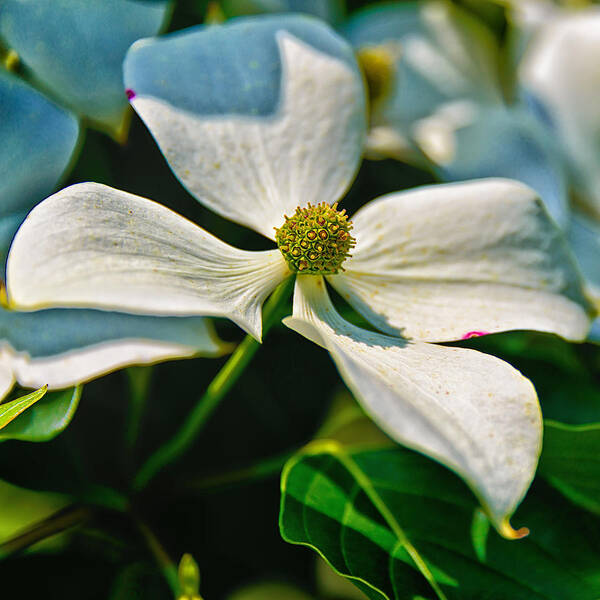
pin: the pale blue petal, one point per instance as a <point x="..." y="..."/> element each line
<point x="38" y="140"/>
<point x="594" y="334"/>
<point x="512" y="144"/>
<point x="224" y="70"/>
<point x="75" y="48"/>
<point x="378" y="23"/>
<point x="48" y="332"/>
<point x="8" y="227"/>
<point x="415" y="96"/>
<point x="538" y="109"/>
<point x="255" y="117"/>
<point x="61" y="348"/>
<point x="584" y="237"/>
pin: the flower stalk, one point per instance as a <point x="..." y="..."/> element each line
<point x="64" y="519"/>
<point x="163" y="560"/>
<point x="174" y="448"/>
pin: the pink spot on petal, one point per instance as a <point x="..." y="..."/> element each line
<point x="472" y="334"/>
<point x="130" y="94"/>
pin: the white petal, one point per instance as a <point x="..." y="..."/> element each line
<point x="561" y="67"/>
<point x="78" y="366"/>
<point x="384" y="141"/>
<point x="61" y="348"/>
<point x="254" y="170"/>
<point x="443" y="262"/>
<point x="7" y="378"/>
<point x="91" y="245"/>
<point x="472" y="412"/>
<point x="436" y="134"/>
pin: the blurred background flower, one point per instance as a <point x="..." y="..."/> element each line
<point x="466" y="103"/>
<point x="61" y="72"/>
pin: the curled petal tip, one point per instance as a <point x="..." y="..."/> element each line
<point x="472" y="334"/>
<point x="506" y="531"/>
<point x="130" y="94"/>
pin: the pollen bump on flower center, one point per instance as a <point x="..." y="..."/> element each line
<point x="315" y="240"/>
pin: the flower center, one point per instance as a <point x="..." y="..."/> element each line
<point x="315" y="240"/>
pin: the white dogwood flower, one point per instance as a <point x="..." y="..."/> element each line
<point x="435" y="264"/>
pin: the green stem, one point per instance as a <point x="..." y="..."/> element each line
<point x="103" y="496"/>
<point x="60" y="521"/>
<point x="138" y="379"/>
<point x="174" y="448"/>
<point x="261" y="470"/>
<point x="271" y="465"/>
<point x="163" y="560"/>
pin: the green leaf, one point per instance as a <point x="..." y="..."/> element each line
<point x="269" y="591"/>
<point x="11" y="410"/>
<point x="138" y="581"/>
<point x="399" y="526"/>
<point x="331" y="585"/>
<point x="570" y="462"/>
<point x="347" y="424"/>
<point x="22" y="507"/>
<point x="46" y="419"/>
<point x="480" y="529"/>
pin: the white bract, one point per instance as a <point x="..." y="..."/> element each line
<point x="435" y="264"/>
<point x="79" y="365"/>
